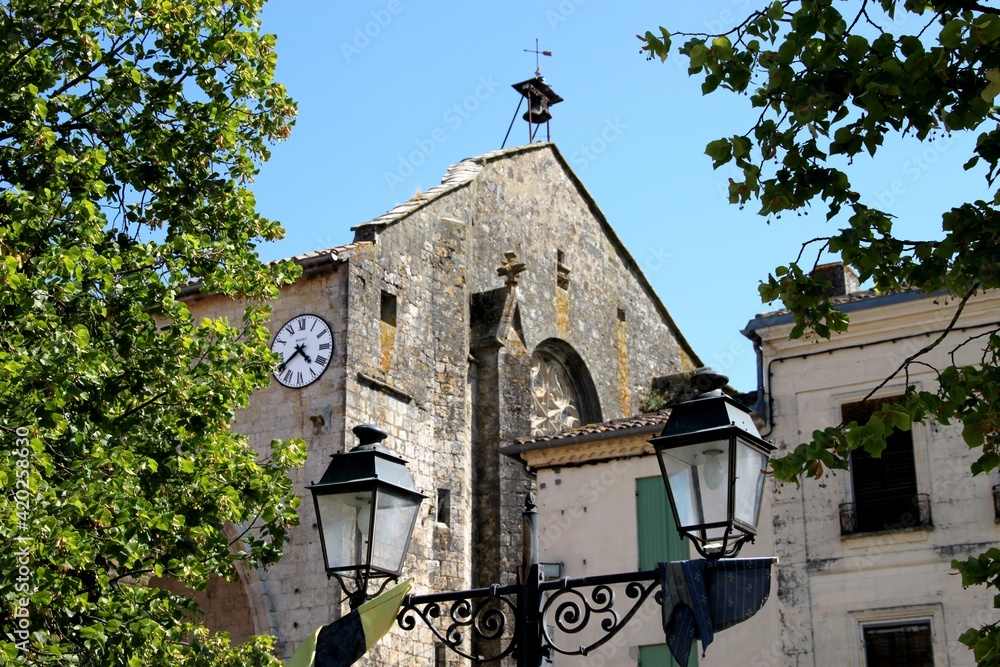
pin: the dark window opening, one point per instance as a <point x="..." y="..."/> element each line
<point x="388" y="314"/>
<point x="444" y="506"/>
<point x="907" y="643"/>
<point x="562" y="271"/>
<point x="885" y="488"/>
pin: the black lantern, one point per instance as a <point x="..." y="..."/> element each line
<point x="366" y="508"/>
<point x="713" y="461"/>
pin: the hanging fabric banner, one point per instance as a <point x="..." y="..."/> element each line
<point x="702" y="597"/>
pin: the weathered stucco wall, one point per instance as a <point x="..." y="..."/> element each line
<point x="588" y="523"/>
<point x="829" y="584"/>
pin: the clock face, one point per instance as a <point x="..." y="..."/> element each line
<point x="305" y="346"/>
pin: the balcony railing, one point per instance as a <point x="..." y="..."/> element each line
<point x="889" y="515"/>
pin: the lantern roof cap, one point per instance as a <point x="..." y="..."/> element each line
<point x="709" y="412"/>
<point x="368" y="462"/>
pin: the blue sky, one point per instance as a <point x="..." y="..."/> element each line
<point x="391" y="93"/>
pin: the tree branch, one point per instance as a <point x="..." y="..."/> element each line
<point x="968" y="5"/>
<point x="930" y="346"/>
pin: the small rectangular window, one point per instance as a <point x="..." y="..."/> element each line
<point x="908" y="643"/>
<point x="389" y="308"/>
<point x="444" y="506"/>
<point x="562" y="271"/>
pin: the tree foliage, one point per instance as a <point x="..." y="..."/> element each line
<point x="831" y="81"/>
<point x="129" y="130"/>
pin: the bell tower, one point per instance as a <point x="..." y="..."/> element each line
<point x="540" y="97"/>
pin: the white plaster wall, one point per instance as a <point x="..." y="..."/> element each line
<point x="587" y="521"/>
<point x="841" y="581"/>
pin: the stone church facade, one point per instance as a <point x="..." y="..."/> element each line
<point x="497" y="305"/>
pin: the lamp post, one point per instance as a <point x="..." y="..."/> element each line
<point x="712" y="460"/>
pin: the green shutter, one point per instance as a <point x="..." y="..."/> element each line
<point x="657" y="655"/>
<point x="658" y="538"/>
<point x="658" y="542"/>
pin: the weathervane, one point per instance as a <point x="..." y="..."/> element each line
<point x="538" y="68"/>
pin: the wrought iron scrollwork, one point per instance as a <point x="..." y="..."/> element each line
<point x="461" y="620"/>
<point x="471" y="616"/>
<point x="573" y="610"/>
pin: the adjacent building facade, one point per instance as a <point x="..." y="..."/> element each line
<point x="496" y="306"/>
<point x="864" y="578"/>
<point x="606" y="476"/>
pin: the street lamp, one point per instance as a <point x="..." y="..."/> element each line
<point x="712" y="460"/>
<point x="366" y="507"/>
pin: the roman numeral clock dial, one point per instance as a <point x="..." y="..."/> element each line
<point x="304" y="344"/>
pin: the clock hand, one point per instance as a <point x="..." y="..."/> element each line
<point x="298" y="350"/>
<point x="301" y="349"/>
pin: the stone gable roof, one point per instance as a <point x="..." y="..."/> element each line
<point x="455" y="177"/>
<point x="466" y="171"/>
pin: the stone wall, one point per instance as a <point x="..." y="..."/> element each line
<point x="295" y="592"/>
<point x="398" y="302"/>
<point x="529" y="203"/>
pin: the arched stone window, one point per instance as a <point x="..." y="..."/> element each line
<point x="562" y="394"/>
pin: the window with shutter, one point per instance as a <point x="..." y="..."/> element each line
<point x="885" y="488"/>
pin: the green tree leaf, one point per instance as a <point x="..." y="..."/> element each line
<point x="832" y="82"/>
<point x="129" y="134"/>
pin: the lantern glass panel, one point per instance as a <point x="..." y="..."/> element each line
<point x="395" y="515"/>
<point x="345" y="519"/>
<point x="698" y="475"/>
<point x="750" y="466"/>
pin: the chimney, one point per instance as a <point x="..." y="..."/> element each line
<point x="844" y="280"/>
